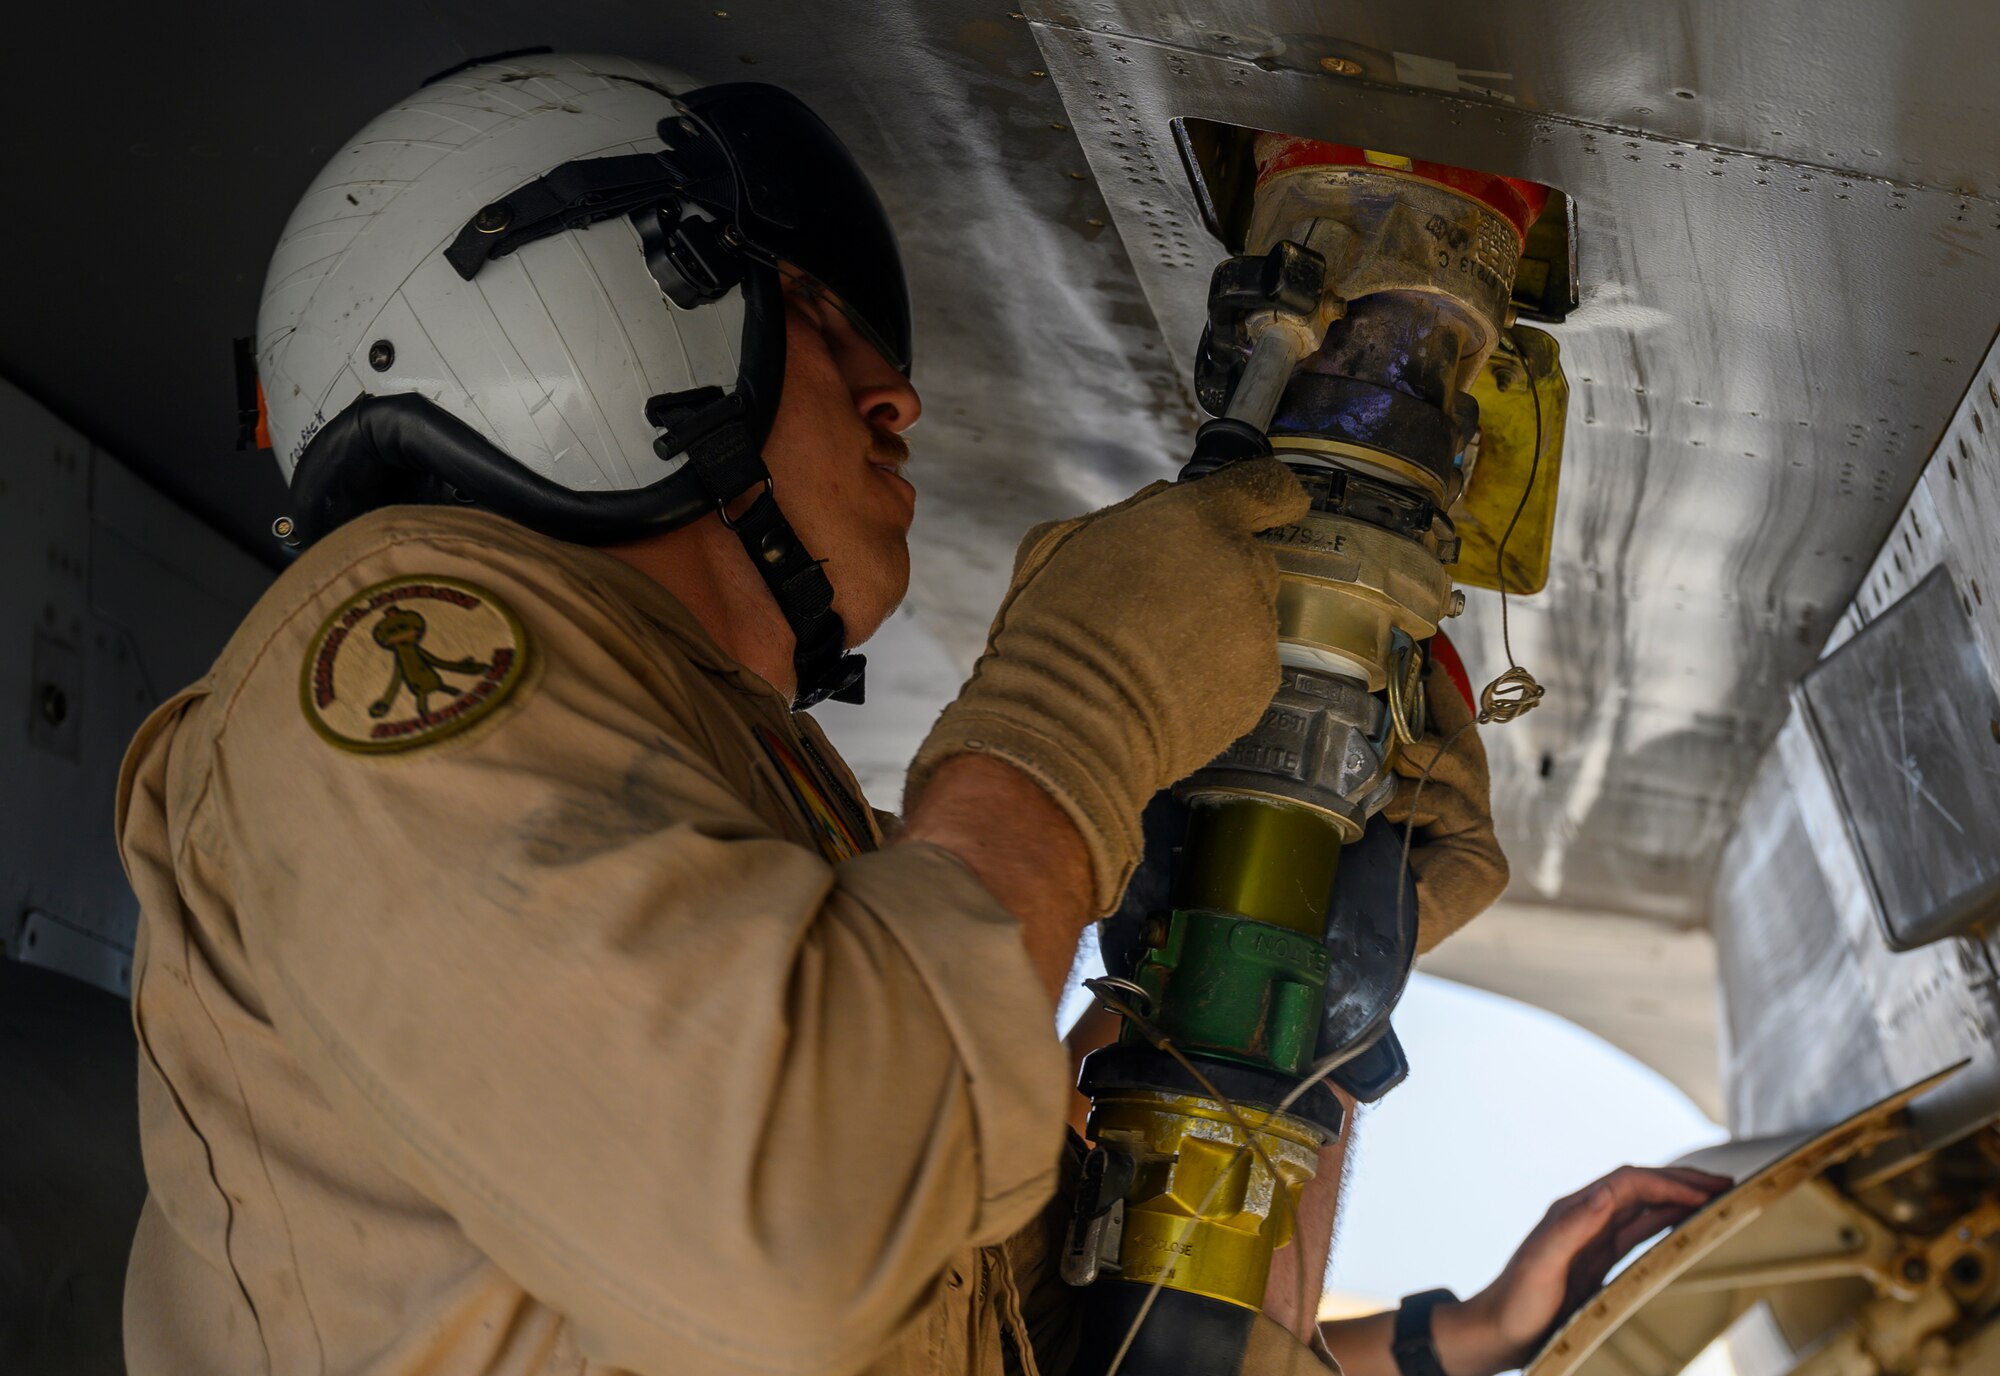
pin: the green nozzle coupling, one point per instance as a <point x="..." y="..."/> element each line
<point x="1239" y="970"/>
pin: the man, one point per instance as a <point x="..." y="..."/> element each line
<point x="523" y="986"/>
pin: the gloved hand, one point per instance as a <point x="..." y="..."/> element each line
<point x="1454" y="855"/>
<point x="1135" y="644"/>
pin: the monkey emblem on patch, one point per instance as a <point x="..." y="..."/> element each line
<point x="411" y="661"/>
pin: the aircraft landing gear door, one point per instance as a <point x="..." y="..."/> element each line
<point x="1851" y="1254"/>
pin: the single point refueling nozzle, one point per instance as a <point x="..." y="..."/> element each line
<point x="1345" y="339"/>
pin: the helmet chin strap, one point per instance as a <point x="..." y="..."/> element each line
<point x="714" y="430"/>
<point x="723" y="437"/>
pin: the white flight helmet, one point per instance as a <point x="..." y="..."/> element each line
<point x="547" y="285"/>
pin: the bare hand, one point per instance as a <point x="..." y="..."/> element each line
<point x="1563" y="1262"/>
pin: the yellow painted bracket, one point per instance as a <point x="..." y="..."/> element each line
<point x="1523" y="398"/>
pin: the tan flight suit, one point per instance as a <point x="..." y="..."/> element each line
<point x="559" y="1043"/>
<point x="520" y="990"/>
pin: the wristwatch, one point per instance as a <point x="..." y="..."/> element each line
<point x="1415" y="1353"/>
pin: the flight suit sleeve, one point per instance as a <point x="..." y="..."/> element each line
<point x="723" y="1104"/>
<point x="1274" y="1350"/>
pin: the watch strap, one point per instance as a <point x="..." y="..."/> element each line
<point x="1411" y="1346"/>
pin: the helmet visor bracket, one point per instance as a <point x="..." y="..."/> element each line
<point x="572" y="196"/>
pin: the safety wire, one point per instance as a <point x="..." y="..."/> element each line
<point x="1516" y="690"/>
<point x="1507" y="697"/>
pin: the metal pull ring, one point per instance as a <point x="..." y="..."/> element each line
<point x="1406" y="695"/>
<point x="722" y="507"/>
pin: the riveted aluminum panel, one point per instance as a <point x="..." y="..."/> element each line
<point x="1889" y="90"/>
<point x="1764" y="353"/>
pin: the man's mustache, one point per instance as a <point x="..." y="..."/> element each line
<point x="888" y="447"/>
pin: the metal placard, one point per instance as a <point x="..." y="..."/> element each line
<point x="111" y="598"/>
<point x="1905" y="718"/>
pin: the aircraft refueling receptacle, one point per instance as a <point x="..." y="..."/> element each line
<point x="1371" y="299"/>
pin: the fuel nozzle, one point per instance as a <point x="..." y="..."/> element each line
<point x="1345" y="339"/>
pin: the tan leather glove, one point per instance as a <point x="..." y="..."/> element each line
<point x="1454" y="855"/>
<point x="1134" y="645"/>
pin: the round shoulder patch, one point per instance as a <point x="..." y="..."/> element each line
<point x="411" y="661"/>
